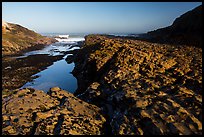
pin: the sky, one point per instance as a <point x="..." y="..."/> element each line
<point x="94" y="17"/>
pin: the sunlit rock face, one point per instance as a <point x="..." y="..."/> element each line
<point x="16" y="39"/>
<point x="145" y="88"/>
<point x="33" y="112"/>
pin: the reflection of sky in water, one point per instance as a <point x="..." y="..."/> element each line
<point x="58" y="74"/>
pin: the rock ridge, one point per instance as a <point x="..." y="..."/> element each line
<point x="145" y="88"/>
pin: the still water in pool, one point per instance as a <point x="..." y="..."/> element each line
<point x="59" y="73"/>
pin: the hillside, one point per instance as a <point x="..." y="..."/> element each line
<point x="16" y="39"/>
<point x="186" y="29"/>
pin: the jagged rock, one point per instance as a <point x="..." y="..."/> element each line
<point x="93" y="90"/>
<point x="143" y="87"/>
<point x="54" y="89"/>
<point x="33" y="112"/>
<point x="142" y="103"/>
<point x="69" y="59"/>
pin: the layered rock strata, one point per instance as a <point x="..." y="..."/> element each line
<point x="143" y="87"/>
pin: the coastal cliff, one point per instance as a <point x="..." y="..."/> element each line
<point x="16" y="39"/>
<point x="186" y="29"/>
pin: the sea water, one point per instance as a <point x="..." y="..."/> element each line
<point x="59" y="73"/>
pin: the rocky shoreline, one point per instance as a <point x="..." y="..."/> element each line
<point x="125" y="87"/>
<point x="144" y="88"/>
<point x="33" y="112"/>
<point x="17" y="39"/>
<point x="17" y="71"/>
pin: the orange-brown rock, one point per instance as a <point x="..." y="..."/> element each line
<point x="16" y="39"/>
<point x="143" y="87"/>
<point x="33" y="112"/>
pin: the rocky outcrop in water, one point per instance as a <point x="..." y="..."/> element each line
<point x="33" y="112"/>
<point x="186" y="29"/>
<point x="17" y="39"/>
<point x="142" y="87"/>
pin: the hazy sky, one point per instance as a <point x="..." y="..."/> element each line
<point x="94" y="17"/>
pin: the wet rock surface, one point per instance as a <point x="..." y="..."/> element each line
<point x="33" y="112"/>
<point x="17" y="71"/>
<point x="142" y="87"/>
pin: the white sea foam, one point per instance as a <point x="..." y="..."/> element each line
<point x="57" y="48"/>
<point x="70" y="39"/>
<point x="63" y="36"/>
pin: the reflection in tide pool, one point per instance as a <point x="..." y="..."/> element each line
<point x="57" y="74"/>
